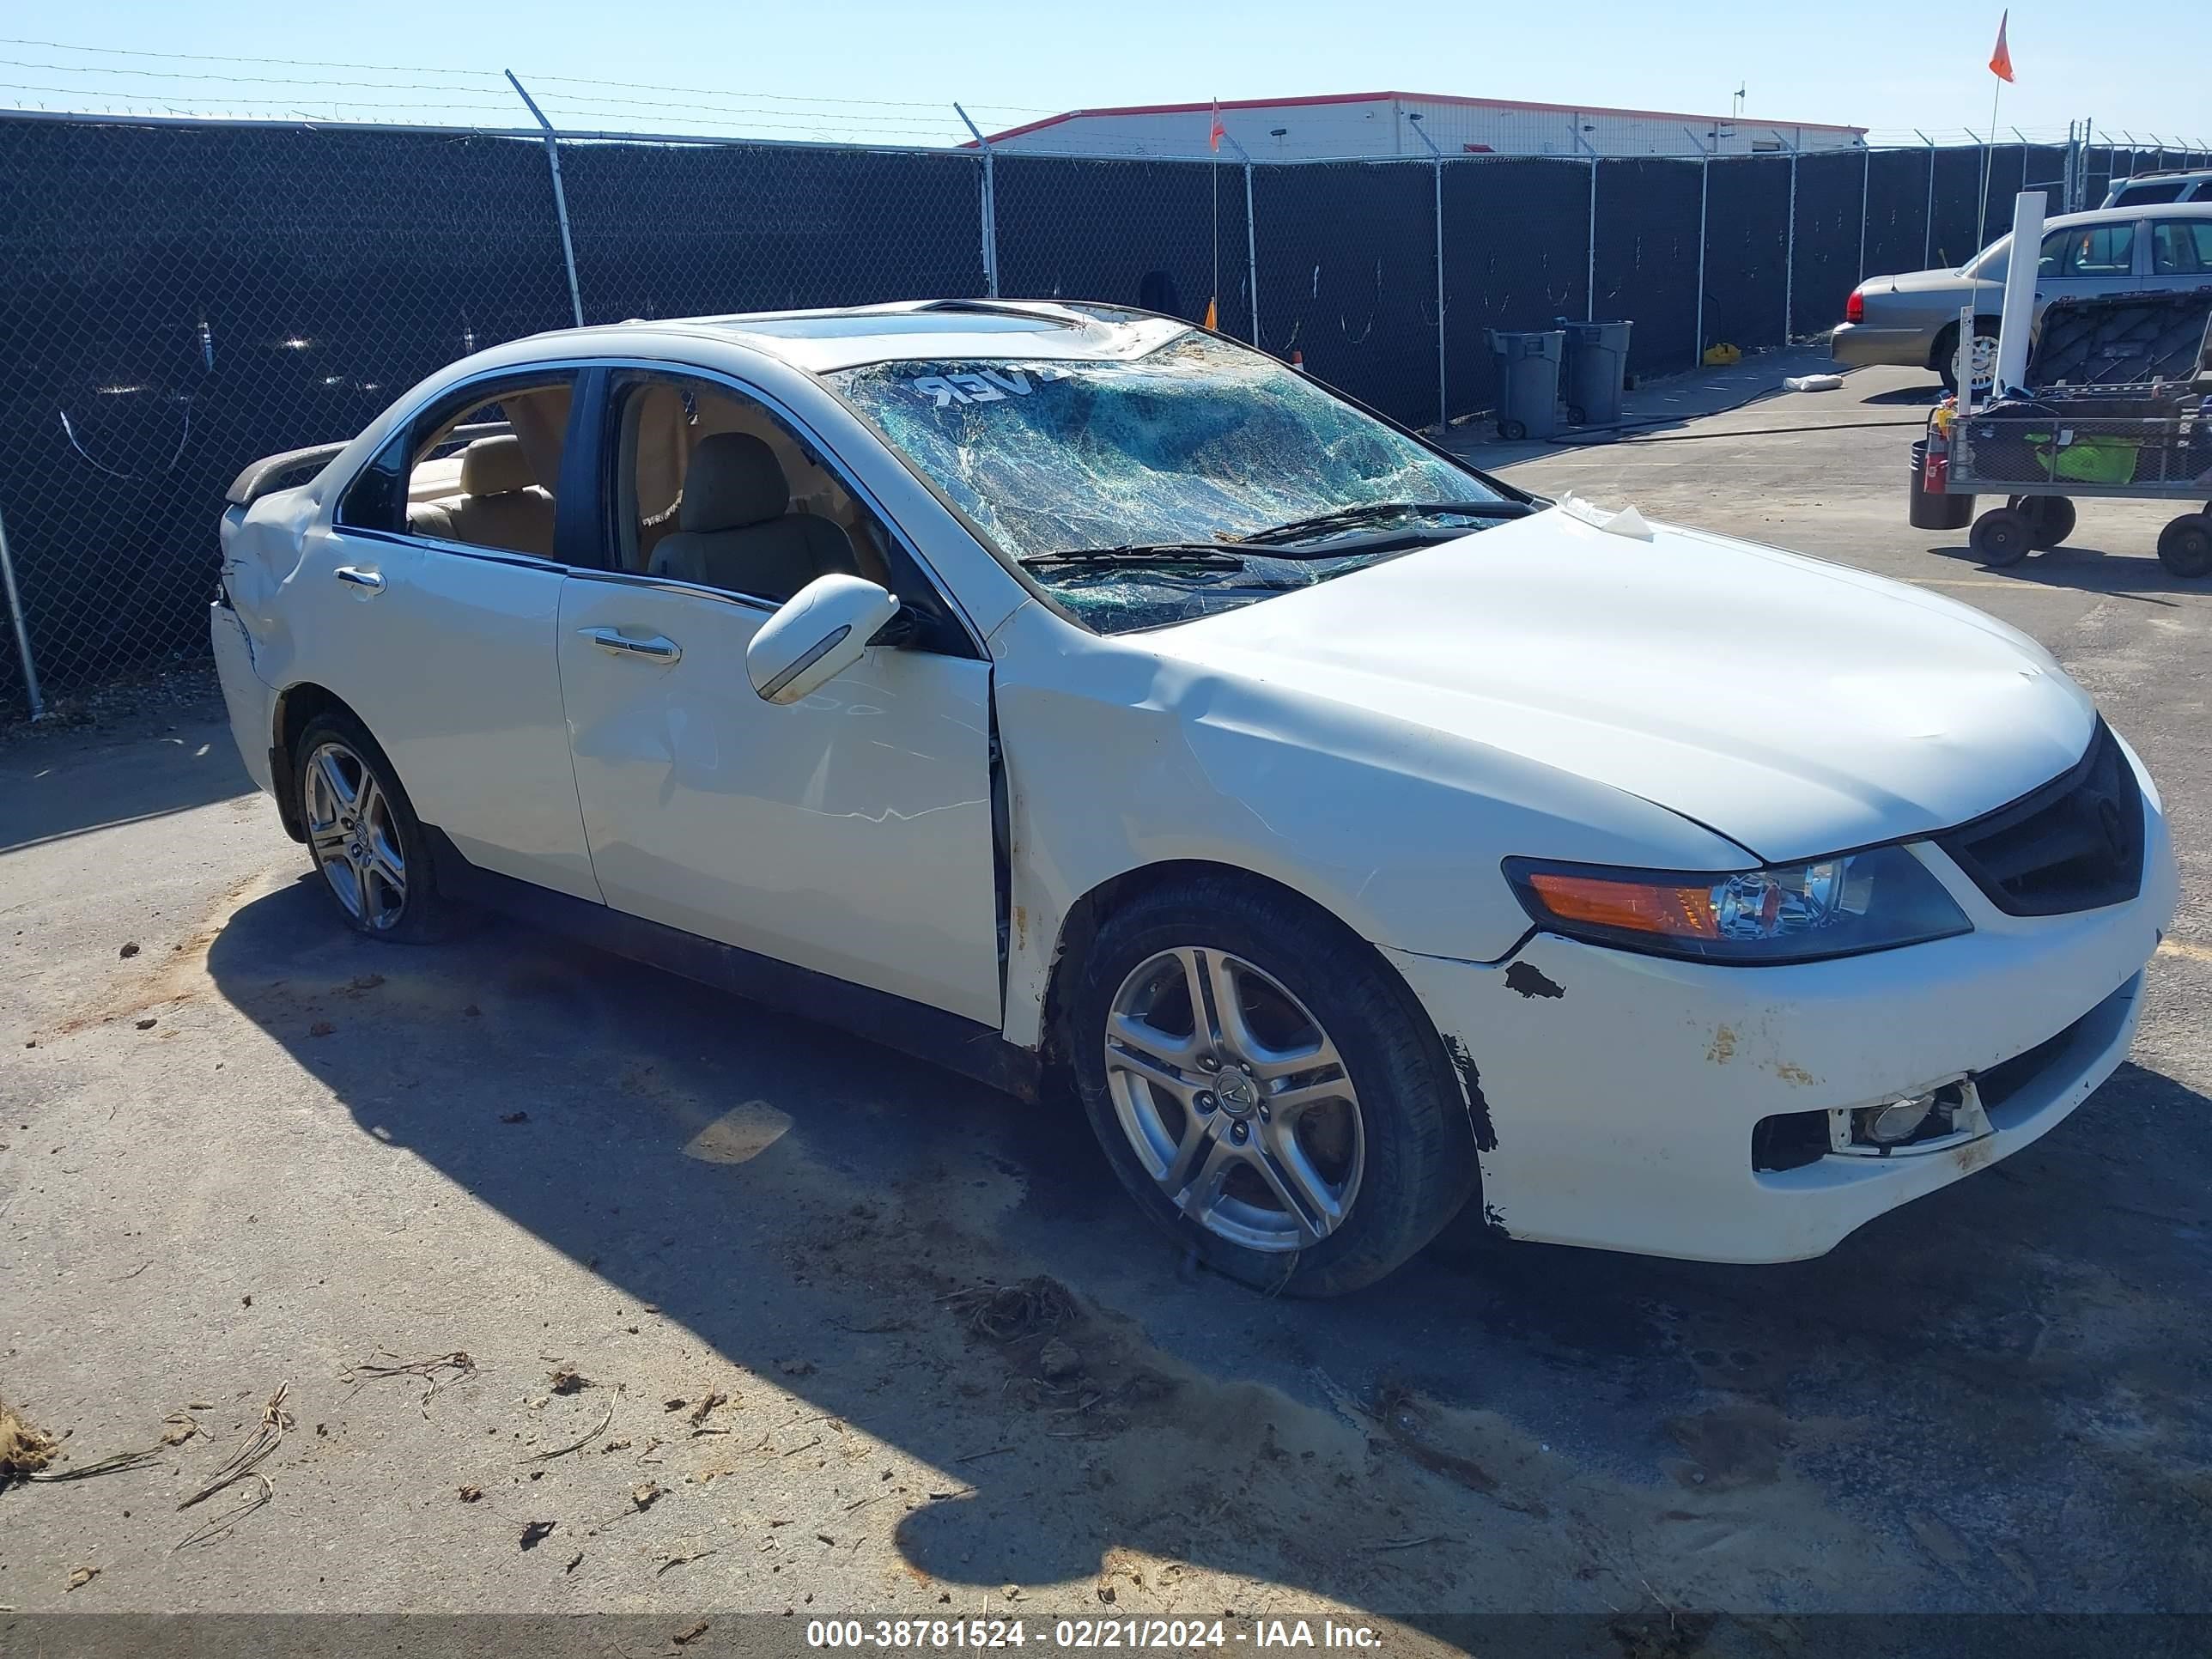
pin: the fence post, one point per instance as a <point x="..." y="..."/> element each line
<point x="1704" y="193"/>
<point x="560" y="196"/>
<point x="1437" y="161"/>
<point x="22" y="632"/>
<point x="988" y="208"/>
<point x="1982" y="211"/>
<point x="1589" y="273"/>
<point x="1251" y="255"/>
<point x="1790" y="256"/>
<point x="1866" y="205"/>
<point x="1927" y="224"/>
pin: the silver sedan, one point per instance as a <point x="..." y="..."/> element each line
<point x="1913" y="318"/>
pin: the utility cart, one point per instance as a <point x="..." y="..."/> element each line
<point x="2117" y="408"/>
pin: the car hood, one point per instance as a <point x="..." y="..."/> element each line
<point x="1794" y="706"/>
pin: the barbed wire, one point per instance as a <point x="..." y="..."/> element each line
<point x="108" y="87"/>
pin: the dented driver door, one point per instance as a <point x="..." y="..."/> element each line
<point x="849" y="833"/>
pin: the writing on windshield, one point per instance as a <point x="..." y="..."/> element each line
<point x="1199" y="438"/>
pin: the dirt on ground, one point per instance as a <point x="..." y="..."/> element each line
<point x="506" y="1276"/>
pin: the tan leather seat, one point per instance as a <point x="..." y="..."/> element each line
<point x="735" y="530"/>
<point x="500" y="504"/>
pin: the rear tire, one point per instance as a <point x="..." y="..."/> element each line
<point x="1512" y="431"/>
<point x="2185" y="546"/>
<point x="2051" y="518"/>
<point x="1196" y="1112"/>
<point x="363" y="833"/>
<point x="2001" y="537"/>
<point x="1985" y="351"/>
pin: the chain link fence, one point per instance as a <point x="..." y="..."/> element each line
<point x="178" y="297"/>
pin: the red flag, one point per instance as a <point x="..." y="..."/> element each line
<point x="2001" y="59"/>
<point x="1218" y="132"/>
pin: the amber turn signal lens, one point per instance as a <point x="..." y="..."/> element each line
<point x="1639" y="907"/>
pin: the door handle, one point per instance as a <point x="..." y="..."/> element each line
<point x="659" y="648"/>
<point x="359" y="578"/>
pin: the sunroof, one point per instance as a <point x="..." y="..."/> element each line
<point x="948" y="321"/>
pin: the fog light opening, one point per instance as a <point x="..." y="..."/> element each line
<point x="1899" y="1121"/>
<point x="1909" y="1123"/>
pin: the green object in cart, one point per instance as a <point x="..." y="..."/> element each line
<point x="2088" y="461"/>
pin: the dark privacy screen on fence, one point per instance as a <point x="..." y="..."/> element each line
<point x="1647" y="257"/>
<point x="177" y="300"/>
<point x="1348" y="277"/>
<point x="677" y="230"/>
<point x="1129" y="231"/>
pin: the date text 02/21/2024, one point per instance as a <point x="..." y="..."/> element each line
<point x="944" y="1635"/>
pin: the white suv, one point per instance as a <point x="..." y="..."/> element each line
<point x="2145" y="189"/>
<point x="1022" y="683"/>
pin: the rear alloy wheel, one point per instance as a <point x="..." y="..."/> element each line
<point x="1265" y="1089"/>
<point x="2001" y="537"/>
<point x="363" y="835"/>
<point x="2185" y="546"/>
<point x="1984" y="361"/>
<point x="2051" y="518"/>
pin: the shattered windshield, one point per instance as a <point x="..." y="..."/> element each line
<point x="1111" y="482"/>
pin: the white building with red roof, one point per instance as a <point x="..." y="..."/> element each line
<point x="1364" y="125"/>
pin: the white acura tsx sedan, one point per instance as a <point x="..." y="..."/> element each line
<point x="1050" y="689"/>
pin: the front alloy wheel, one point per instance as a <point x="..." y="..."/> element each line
<point x="1266" y="1086"/>
<point x="1234" y="1099"/>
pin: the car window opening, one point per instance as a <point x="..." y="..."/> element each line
<point x="485" y="477"/>
<point x="714" y="490"/>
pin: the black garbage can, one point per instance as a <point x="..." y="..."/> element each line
<point x="1597" y="365"/>
<point x="1528" y="382"/>
<point x="1927" y="509"/>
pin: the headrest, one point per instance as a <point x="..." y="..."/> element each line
<point x="495" y="467"/>
<point x="734" y="480"/>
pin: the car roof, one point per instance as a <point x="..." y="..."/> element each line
<point x="2106" y="215"/>
<point x="938" y="330"/>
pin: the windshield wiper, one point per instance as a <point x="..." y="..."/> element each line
<point x="1370" y="511"/>
<point x="1189" y="553"/>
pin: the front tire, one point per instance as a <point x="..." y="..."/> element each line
<point x="2001" y="537"/>
<point x="1266" y="1089"/>
<point x="363" y="836"/>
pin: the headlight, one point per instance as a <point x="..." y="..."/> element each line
<point x="1834" y="907"/>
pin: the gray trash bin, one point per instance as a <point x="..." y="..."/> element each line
<point x="1597" y="362"/>
<point x="1528" y="382"/>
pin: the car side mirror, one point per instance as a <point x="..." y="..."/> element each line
<point x="817" y="634"/>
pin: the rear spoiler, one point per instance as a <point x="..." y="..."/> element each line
<point x="274" y="472"/>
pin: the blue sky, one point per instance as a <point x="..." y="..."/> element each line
<point x="1891" y="65"/>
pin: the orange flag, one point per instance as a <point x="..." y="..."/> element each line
<point x="2001" y="59"/>
<point x="1217" y="132"/>
<point x="1212" y="316"/>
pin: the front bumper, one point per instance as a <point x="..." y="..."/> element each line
<point x="1621" y="1091"/>
<point x="1862" y="345"/>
